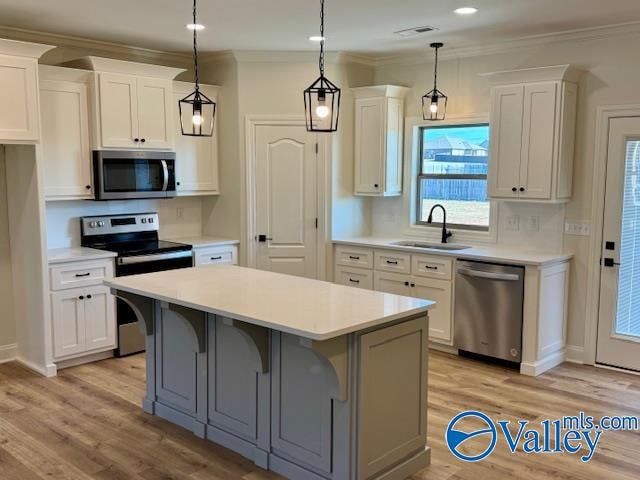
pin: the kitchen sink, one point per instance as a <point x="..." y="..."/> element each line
<point x="431" y="246"/>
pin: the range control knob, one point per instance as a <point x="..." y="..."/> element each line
<point x="93" y="224"/>
<point x="144" y="220"/>
<point x="101" y="223"/>
<point x="150" y="219"/>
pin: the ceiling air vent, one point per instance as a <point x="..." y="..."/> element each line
<point x="412" y="32"/>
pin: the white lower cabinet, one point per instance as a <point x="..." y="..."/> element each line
<point x="83" y="318"/>
<point x="354" y="277"/>
<point x="224" y="254"/>
<point x="412" y="275"/>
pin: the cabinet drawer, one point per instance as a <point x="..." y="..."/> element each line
<point x="79" y="274"/>
<point x="432" y="267"/>
<point x="390" y="261"/>
<point x="354" y="256"/>
<point x="216" y="255"/>
<point x="354" y="277"/>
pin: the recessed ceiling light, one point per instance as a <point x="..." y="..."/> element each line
<point x="195" y="26"/>
<point x="316" y="38"/>
<point x="465" y="10"/>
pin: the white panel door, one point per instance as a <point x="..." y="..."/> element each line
<point x="506" y="141"/>
<point x="440" y="318"/>
<point x="369" y="145"/>
<point x="67" y="313"/>
<point x="197" y="157"/>
<point x="65" y="139"/>
<point x="118" y="110"/>
<point x="155" y="113"/>
<point x="100" y="320"/>
<point x="538" y="142"/>
<point x="19" y="99"/>
<point x="286" y="206"/>
<point x="619" y="316"/>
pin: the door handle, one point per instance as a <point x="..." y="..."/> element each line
<point x="263" y="238"/>
<point x="165" y="173"/>
<point x="610" y="262"/>
<point x="507" y="277"/>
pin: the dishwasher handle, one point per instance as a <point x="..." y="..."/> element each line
<point x="506" y="277"/>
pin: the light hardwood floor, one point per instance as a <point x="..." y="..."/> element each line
<point x="87" y="424"/>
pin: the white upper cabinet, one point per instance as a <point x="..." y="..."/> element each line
<point x="132" y="104"/>
<point x="533" y="114"/>
<point x="135" y="112"/>
<point x="19" y="115"/>
<point x="379" y="128"/>
<point x="65" y="133"/>
<point x="196" y="157"/>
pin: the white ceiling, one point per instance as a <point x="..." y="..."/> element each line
<point x="358" y="26"/>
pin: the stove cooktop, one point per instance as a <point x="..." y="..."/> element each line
<point x="145" y="247"/>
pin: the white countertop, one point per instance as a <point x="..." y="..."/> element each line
<point x="300" y="306"/>
<point x="487" y="254"/>
<point x="204" y="241"/>
<point x="76" y="254"/>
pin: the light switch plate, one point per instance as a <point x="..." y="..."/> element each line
<point x="580" y="229"/>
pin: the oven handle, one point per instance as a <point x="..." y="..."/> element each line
<point x="165" y="172"/>
<point x="508" y="277"/>
<point x="153" y="257"/>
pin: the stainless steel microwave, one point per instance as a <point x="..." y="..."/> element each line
<point x="119" y="175"/>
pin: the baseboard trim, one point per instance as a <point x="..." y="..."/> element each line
<point x="94" y="357"/>
<point x="8" y="352"/>
<point x="575" y="354"/>
<point x="533" y="369"/>
<point x="440" y="347"/>
<point x="44" y="370"/>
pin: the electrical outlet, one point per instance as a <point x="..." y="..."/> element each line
<point x="579" y="229"/>
<point x="513" y="223"/>
<point x="179" y="213"/>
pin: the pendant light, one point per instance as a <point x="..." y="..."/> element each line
<point x="322" y="98"/>
<point x="434" y="103"/>
<point x="197" y="111"/>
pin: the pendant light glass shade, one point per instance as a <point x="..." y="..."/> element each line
<point x="434" y="103"/>
<point x="197" y="111"/>
<point x="322" y="97"/>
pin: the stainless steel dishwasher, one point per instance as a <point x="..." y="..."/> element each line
<point x="488" y="309"/>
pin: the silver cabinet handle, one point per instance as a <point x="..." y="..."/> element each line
<point x="507" y="277"/>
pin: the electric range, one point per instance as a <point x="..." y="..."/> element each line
<point x="135" y="240"/>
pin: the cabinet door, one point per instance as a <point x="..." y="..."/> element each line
<point x="370" y="145"/>
<point x="395" y="283"/>
<point x="118" y="110"/>
<point x="506" y="141"/>
<point x="538" y="140"/>
<point x="19" y="99"/>
<point x="440" y="317"/>
<point x="197" y="166"/>
<point x="155" y="113"/>
<point x="67" y="314"/>
<point x="100" y="319"/>
<point x="65" y="140"/>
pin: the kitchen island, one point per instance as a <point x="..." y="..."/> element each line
<point x="309" y="379"/>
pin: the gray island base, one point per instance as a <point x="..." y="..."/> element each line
<point x="284" y="389"/>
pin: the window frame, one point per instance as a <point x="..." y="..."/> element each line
<point x="464" y="176"/>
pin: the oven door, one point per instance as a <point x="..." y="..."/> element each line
<point x="131" y="175"/>
<point x="131" y="340"/>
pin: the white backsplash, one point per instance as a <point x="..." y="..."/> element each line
<point x="531" y="226"/>
<point x="178" y="217"/>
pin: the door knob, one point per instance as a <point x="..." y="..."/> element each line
<point x="263" y="238"/>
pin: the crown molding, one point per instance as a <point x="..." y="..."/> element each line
<point x="84" y="43"/>
<point x="514" y="44"/>
<point x="23" y="49"/>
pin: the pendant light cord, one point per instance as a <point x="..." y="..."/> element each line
<point x="435" y="72"/>
<point x="321" y="60"/>
<point x="195" y="46"/>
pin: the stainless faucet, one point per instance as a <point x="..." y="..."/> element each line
<point x="445" y="233"/>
